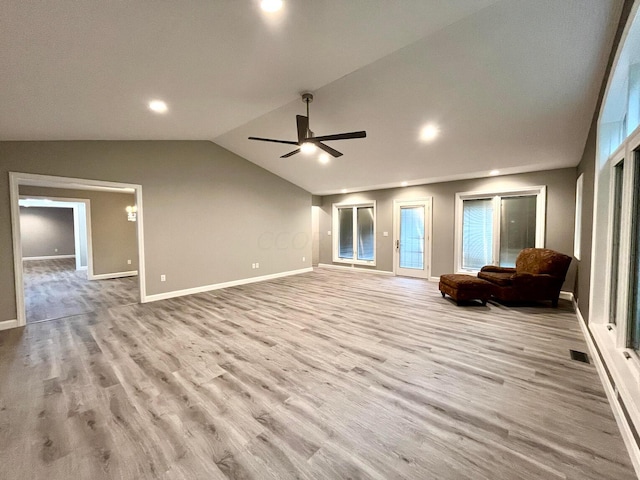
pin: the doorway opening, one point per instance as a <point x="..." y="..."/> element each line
<point x="77" y="248"/>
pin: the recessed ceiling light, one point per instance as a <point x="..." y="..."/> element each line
<point x="307" y="147"/>
<point x="404" y="184"/>
<point x="494" y="172"/>
<point x="324" y="158"/>
<point x="429" y="132"/>
<point x="158" y="106"/>
<point x="271" y="5"/>
<point x="344" y="190"/>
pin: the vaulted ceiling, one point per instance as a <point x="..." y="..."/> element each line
<point x="511" y="84"/>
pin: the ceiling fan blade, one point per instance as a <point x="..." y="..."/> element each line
<point x="303" y="126"/>
<point x="287" y="155"/>
<point x="329" y="150"/>
<point x="272" y="140"/>
<point x="339" y="136"/>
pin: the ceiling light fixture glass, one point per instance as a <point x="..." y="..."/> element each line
<point x="158" y="106"/>
<point x="323" y="158"/>
<point x="429" y="132"/>
<point x="271" y="5"/>
<point x="307" y="147"/>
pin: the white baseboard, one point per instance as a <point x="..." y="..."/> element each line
<point x="82" y="268"/>
<point x="566" y="296"/>
<point x="7" y="324"/>
<point x="217" y="286"/>
<point x="47" y="257"/>
<point x="434" y="279"/>
<point x="618" y="413"/>
<point x="106" y="276"/>
<point x="354" y="269"/>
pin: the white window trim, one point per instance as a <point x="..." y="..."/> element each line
<point x="541" y="202"/>
<point x="612" y="339"/>
<point x="336" y="233"/>
<point x="577" y="228"/>
<point x="614" y="160"/>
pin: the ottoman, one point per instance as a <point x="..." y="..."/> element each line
<point x="465" y="287"/>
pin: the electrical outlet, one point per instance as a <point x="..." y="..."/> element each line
<point x="163" y="278"/>
<point x="55" y="249"/>
<point x="385" y="234"/>
<point x="304" y="258"/>
<point x="253" y="265"/>
<point x="257" y="265"/>
<point x="329" y="233"/>
<point x="128" y="262"/>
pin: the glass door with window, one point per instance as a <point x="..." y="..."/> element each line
<point x="412" y="224"/>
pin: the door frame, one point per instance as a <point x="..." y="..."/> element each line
<point x="17" y="178"/>
<point x="427" y="202"/>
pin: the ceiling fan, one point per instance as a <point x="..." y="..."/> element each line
<point x="305" y="135"/>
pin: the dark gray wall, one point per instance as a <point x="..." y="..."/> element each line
<point x="113" y="237"/>
<point x="559" y="223"/>
<point x="46" y="231"/>
<point x="208" y="213"/>
<point x="587" y="167"/>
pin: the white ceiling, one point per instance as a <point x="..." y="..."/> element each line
<point x="512" y="83"/>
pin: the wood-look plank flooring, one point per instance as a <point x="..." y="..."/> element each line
<point x="55" y="289"/>
<point x="325" y="375"/>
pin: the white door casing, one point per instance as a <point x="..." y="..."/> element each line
<point x="421" y="243"/>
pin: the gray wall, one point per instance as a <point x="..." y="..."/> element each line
<point x="46" y="231"/>
<point x="113" y="237"/>
<point x="559" y="224"/>
<point x="208" y="213"/>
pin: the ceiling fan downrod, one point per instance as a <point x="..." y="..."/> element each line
<point x="308" y="98"/>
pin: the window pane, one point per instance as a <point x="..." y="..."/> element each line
<point x="634" y="314"/>
<point x="345" y="219"/>
<point x="618" y="172"/>
<point x="365" y="233"/>
<point x="477" y="233"/>
<point x="412" y="237"/>
<point x="517" y="227"/>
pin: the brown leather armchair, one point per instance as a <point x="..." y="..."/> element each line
<point x="538" y="275"/>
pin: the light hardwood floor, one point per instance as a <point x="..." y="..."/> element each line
<point x="326" y="375"/>
<point x="55" y="289"/>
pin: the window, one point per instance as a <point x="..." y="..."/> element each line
<point x="618" y="175"/>
<point x="614" y="293"/>
<point x="412" y="233"/>
<point x="354" y="227"/>
<point x="633" y="334"/>
<point x="492" y="228"/>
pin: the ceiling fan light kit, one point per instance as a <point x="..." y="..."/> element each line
<point x="306" y="139"/>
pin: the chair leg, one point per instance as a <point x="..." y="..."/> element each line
<point x="554" y="303"/>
